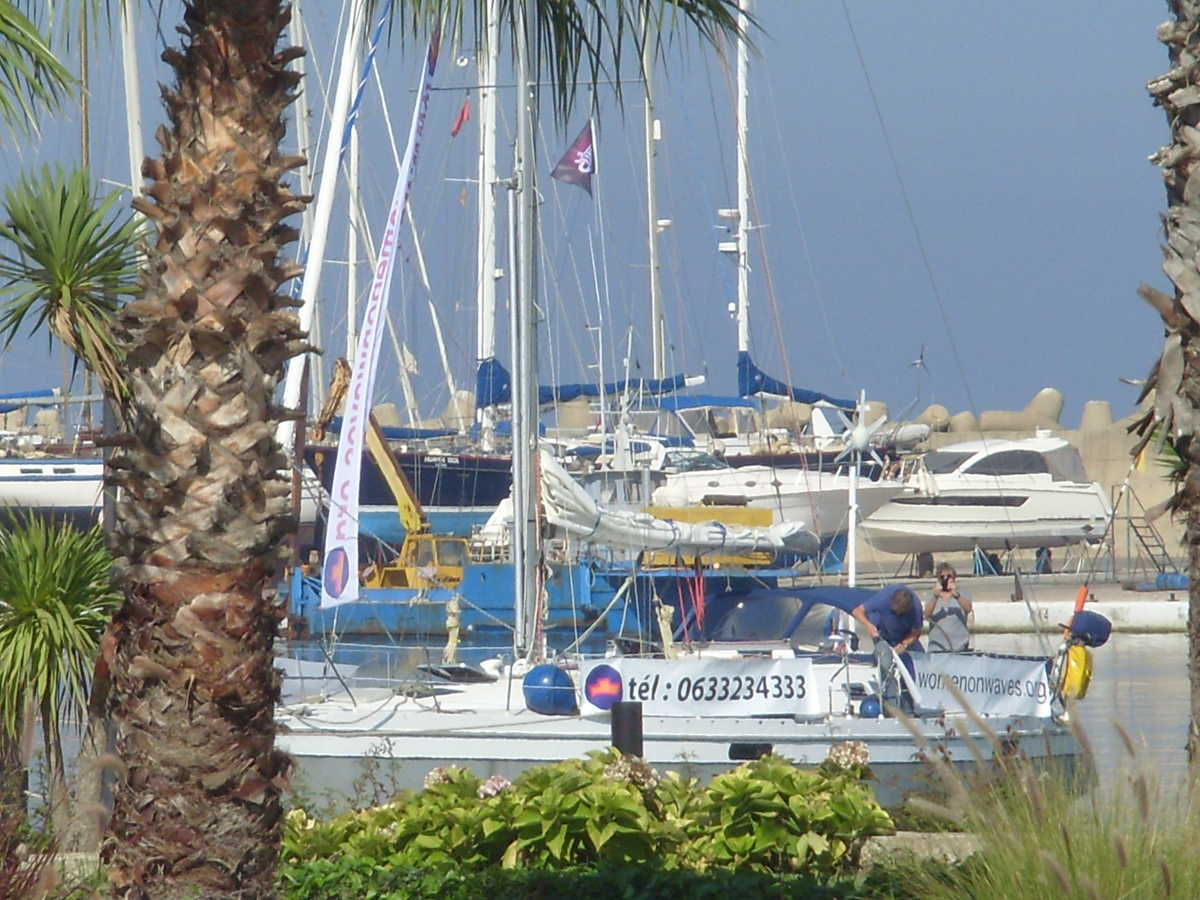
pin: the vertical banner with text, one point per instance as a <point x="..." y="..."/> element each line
<point x="339" y="573"/>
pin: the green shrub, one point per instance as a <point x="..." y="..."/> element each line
<point x="351" y="877"/>
<point x="601" y="812"/>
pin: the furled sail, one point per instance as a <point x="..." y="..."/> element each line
<point x="569" y="507"/>
<point x="493" y="386"/>
<point x="753" y="380"/>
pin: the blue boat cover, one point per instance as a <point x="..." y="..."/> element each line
<point x="393" y="433"/>
<point x="23" y="399"/>
<point x="493" y="386"/>
<point x="695" y="401"/>
<point x="753" y="380"/>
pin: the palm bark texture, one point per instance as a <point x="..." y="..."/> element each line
<point x="204" y="508"/>
<point x="1175" y="377"/>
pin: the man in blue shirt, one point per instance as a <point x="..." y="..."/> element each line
<point x="895" y="615"/>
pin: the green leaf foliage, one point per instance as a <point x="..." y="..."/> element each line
<point x="68" y="260"/>
<point x="55" y="600"/>
<point x="604" y="812"/>
<point x="32" y="80"/>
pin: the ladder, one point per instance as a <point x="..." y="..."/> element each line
<point x="1146" y="535"/>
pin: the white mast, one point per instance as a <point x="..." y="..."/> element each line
<point x="743" y="186"/>
<point x="658" y="344"/>
<point x="324" y="207"/>
<point x="525" y="375"/>
<point x="133" y="103"/>
<point x="485" y="274"/>
<point x="352" y="249"/>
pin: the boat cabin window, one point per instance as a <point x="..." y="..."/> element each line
<point x="687" y="460"/>
<point x="1010" y="462"/>
<point x="720" y="421"/>
<point x="940" y="462"/>
<point x="1066" y="465"/>
<point x="757" y="619"/>
<point x="661" y="422"/>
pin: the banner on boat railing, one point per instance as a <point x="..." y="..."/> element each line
<point x="991" y="685"/>
<point x="339" y="581"/>
<point x="706" y="687"/>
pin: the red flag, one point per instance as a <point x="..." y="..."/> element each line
<point x="579" y="162"/>
<point x="463" y="115"/>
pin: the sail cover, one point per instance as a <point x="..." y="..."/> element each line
<point x="753" y="380"/>
<point x="493" y="387"/>
<point x="569" y="507"/>
<point x="12" y="402"/>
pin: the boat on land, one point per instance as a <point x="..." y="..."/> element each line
<point x="992" y="495"/>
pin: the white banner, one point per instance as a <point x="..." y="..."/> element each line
<point x="706" y="687"/>
<point x="339" y="581"/>
<point x="992" y="685"/>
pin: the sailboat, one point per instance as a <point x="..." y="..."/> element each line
<point x="703" y="708"/>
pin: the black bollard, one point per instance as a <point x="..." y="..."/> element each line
<point x="627" y="727"/>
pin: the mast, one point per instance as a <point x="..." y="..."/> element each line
<point x="352" y="249"/>
<point x="651" y="136"/>
<point x="485" y="274"/>
<point x="321" y="214"/>
<point x="525" y="376"/>
<point x="743" y="186"/>
<point x="133" y="105"/>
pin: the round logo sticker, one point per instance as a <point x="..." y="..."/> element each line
<point x="603" y="687"/>
<point x="337" y="572"/>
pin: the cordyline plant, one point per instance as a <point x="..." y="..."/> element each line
<point x="55" y="600"/>
<point x="67" y="262"/>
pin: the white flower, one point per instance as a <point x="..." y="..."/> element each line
<point x="493" y="786"/>
<point x="849" y="754"/>
<point x="440" y="775"/>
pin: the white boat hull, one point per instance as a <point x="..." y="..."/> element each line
<point x="819" y="500"/>
<point x="486" y="728"/>
<point x="1057" y="515"/>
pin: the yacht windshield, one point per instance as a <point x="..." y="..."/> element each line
<point x="1010" y="462"/>
<point x="686" y="460"/>
<point x="720" y="421"/>
<point x="939" y="462"/>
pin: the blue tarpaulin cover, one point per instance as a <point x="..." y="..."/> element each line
<point x="753" y="380"/>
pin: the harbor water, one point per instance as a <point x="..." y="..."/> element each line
<point x="1141" y="682"/>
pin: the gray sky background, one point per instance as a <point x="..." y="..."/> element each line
<point x="1020" y="133"/>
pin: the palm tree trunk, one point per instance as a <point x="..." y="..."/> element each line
<point x="1176" y="376"/>
<point x="204" y="510"/>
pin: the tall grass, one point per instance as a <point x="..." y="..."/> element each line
<point x="1057" y="833"/>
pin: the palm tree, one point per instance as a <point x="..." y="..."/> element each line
<point x="32" y="80"/>
<point x="67" y="264"/>
<point x="1175" y="378"/>
<point x="56" y="598"/>
<point x="204" y="511"/>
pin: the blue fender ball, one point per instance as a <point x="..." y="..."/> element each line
<point x="549" y="691"/>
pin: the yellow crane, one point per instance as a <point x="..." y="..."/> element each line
<point x="426" y="560"/>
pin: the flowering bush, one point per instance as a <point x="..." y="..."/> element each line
<point x="605" y="810"/>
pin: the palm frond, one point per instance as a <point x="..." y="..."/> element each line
<point x="32" y="80"/>
<point x="67" y="263"/>
<point x="580" y="40"/>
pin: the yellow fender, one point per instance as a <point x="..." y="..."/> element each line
<point x="1076" y="673"/>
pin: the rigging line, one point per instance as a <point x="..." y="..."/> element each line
<point x="912" y="219"/>
<point x="810" y="265"/>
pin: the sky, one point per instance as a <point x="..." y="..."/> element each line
<point x="971" y="182"/>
